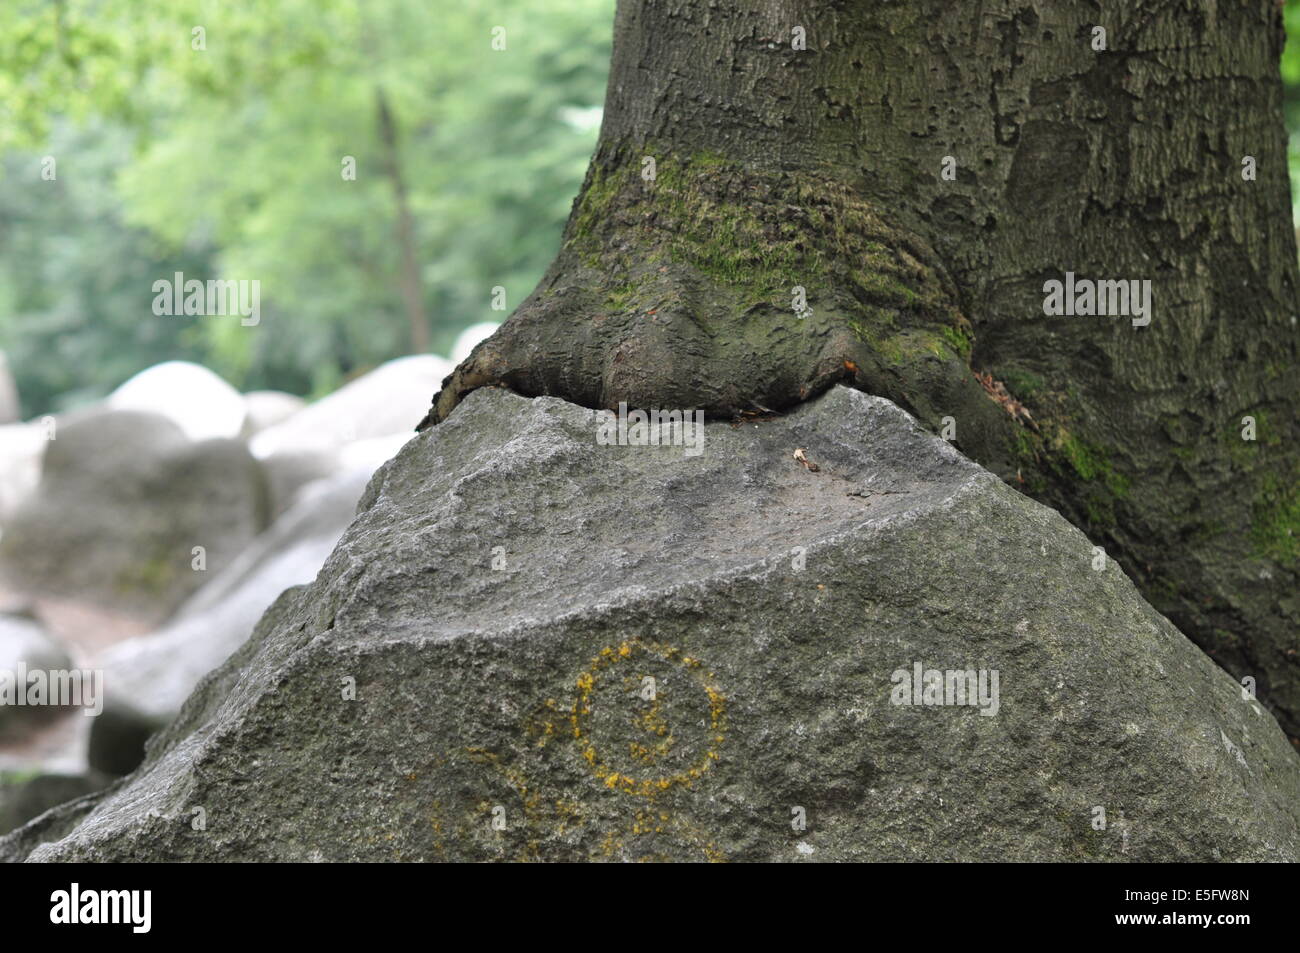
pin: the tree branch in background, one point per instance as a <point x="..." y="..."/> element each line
<point x="409" y="278"/>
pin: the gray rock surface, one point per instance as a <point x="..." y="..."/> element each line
<point x="772" y="605"/>
<point x="124" y="498"/>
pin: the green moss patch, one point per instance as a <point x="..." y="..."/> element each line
<point x="1275" y="526"/>
<point x="758" y="234"/>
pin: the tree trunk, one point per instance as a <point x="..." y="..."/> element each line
<point x="409" y="281"/>
<point x="776" y="168"/>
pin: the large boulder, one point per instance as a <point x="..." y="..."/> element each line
<point x="124" y="499"/>
<point x="39" y="739"/>
<point x="530" y="645"/>
<point x="199" y="402"/>
<point x="289" y="472"/>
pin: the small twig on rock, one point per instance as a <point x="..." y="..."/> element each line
<point x="799" y="455"/>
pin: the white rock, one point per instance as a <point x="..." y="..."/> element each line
<point x="373" y="453"/>
<point x="391" y="399"/>
<point x="266" y="408"/>
<point x="199" y="401"/>
<point x="470" y="337"/>
<point x="22" y="640"/>
<point x="21" y="447"/>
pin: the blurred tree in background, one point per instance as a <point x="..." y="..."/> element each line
<point x="212" y="138"/>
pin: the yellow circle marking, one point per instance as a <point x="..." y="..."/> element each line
<point x="646" y="787"/>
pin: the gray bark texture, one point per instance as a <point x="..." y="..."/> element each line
<point x="821" y="168"/>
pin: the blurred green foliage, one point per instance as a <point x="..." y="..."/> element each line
<point x="226" y="161"/>
<point x="1291" y="83"/>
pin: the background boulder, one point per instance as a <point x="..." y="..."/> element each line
<point x="23" y="643"/>
<point x="266" y="408"/>
<point x="23" y="798"/>
<point x="312" y="444"/>
<point x="531" y="646"/>
<point x="377" y="404"/>
<point x="124" y="499"/>
<point x="193" y="397"/>
<point x="21" y="447"/>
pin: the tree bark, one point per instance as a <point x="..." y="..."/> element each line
<point x="822" y="169"/>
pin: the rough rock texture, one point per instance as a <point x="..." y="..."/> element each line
<point x="124" y="498"/>
<point x="519" y="695"/>
<point x="53" y="823"/>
